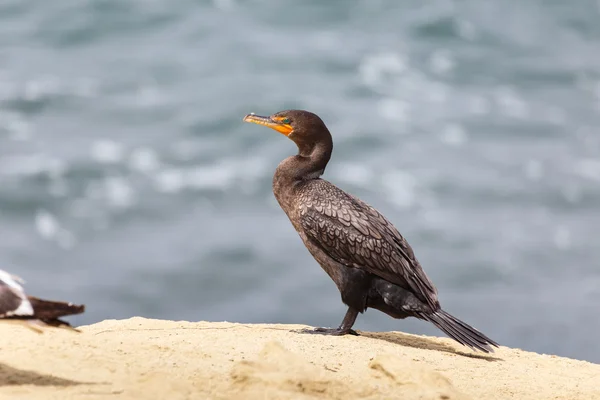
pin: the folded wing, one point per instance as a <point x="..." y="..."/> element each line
<point x="356" y="235"/>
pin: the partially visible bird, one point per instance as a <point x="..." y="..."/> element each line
<point x="371" y="263"/>
<point x="16" y="306"/>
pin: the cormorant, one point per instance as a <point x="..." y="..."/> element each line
<point x="371" y="263"/>
<point x="16" y="306"/>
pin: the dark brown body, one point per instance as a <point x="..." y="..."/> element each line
<point x="370" y="262"/>
<point x="359" y="289"/>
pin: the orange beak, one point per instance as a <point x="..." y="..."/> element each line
<point x="285" y="129"/>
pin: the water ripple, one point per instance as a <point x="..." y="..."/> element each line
<point x="472" y="125"/>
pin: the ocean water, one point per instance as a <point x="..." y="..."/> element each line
<point x="128" y="181"/>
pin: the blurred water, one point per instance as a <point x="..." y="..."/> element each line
<point x="129" y="183"/>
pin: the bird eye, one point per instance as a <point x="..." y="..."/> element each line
<point x="285" y="121"/>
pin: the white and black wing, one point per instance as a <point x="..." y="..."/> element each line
<point x="15" y="305"/>
<point x="13" y="301"/>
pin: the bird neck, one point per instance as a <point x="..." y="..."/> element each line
<point x="308" y="164"/>
<point x="312" y="159"/>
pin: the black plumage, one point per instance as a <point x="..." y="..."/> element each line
<point x="371" y="263"/>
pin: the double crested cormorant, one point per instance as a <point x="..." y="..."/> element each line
<point x="16" y="306"/>
<point x="371" y="263"/>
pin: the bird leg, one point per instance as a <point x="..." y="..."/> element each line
<point x="345" y="327"/>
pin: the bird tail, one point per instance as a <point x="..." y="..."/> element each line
<point x="48" y="312"/>
<point x="47" y="309"/>
<point x="460" y="331"/>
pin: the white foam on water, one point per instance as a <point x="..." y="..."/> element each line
<point x="562" y="238"/>
<point x="466" y="30"/>
<point x="510" y="103"/>
<point x="187" y="149"/>
<point x="437" y="93"/>
<point x="224" y="5"/>
<point x="395" y="110"/>
<point x="18" y="128"/>
<point x="250" y="171"/>
<point x="42" y="87"/>
<point x="441" y="62"/>
<point x="144" y="160"/>
<point x="534" y="169"/>
<point x="255" y="168"/>
<point x="170" y="180"/>
<point x="31" y="165"/>
<point x="375" y="69"/>
<point x="210" y="177"/>
<point x="49" y="228"/>
<point x="148" y="96"/>
<point x="588" y="168"/>
<point x="119" y="193"/>
<point x="107" y="151"/>
<point x="401" y="187"/>
<point x="356" y="174"/>
<point x="454" y="134"/>
<point x="46" y="224"/>
<point x="242" y="173"/>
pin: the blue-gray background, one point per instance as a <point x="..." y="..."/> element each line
<point x="129" y="183"/>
